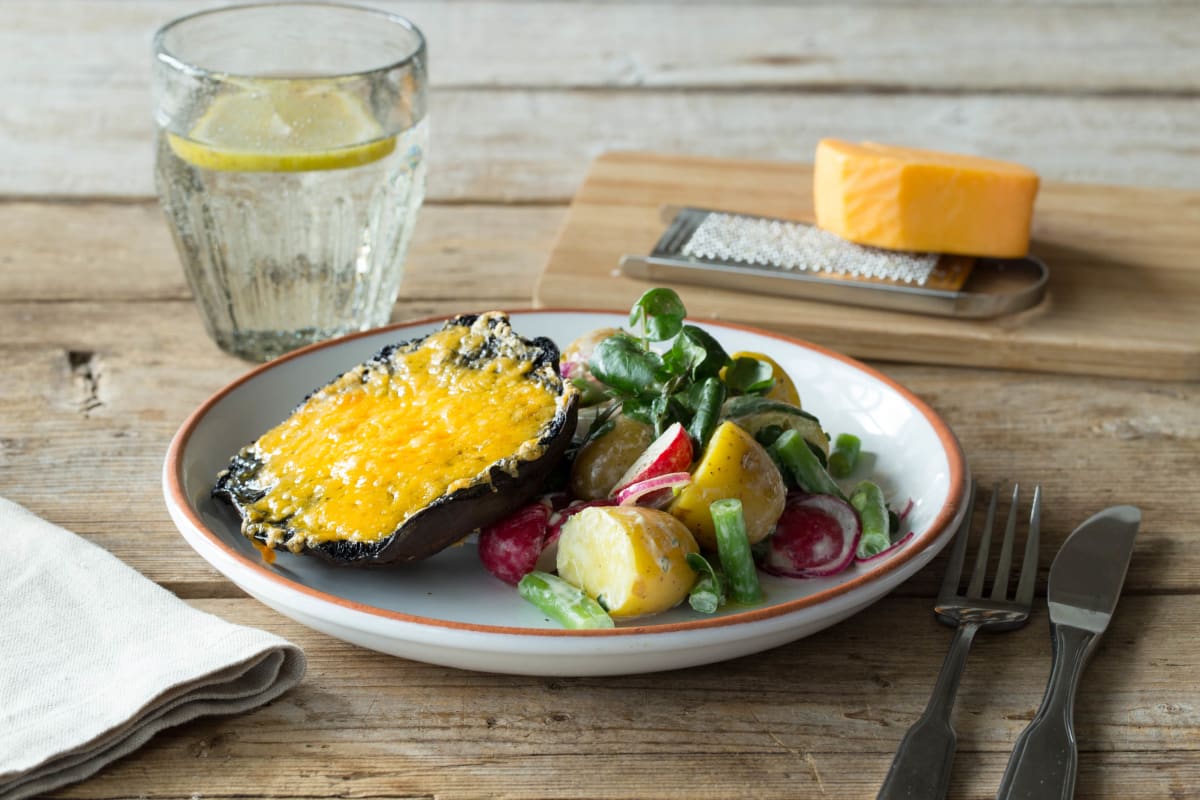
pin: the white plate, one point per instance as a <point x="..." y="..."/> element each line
<point x="448" y="610"/>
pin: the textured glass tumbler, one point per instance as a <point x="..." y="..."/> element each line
<point x="290" y="163"/>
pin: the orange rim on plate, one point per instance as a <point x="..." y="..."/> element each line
<point x="948" y="512"/>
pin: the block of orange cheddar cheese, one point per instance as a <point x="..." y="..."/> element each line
<point x="902" y="198"/>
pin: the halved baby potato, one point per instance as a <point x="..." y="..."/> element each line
<point x="631" y="559"/>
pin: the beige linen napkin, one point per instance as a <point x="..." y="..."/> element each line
<point x="95" y="658"/>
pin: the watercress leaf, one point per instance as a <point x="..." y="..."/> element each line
<point x="621" y="362"/>
<point x="638" y="410"/>
<point x="677" y="411"/>
<point x="699" y="351"/>
<point x="689" y="398"/>
<point x="659" y="314"/>
<point x="749" y="376"/>
<point x="685" y="355"/>
<point x="659" y="413"/>
<point x="589" y="393"/>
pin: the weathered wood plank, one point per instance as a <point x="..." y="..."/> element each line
<point x="105" y="251"/>
<point x="487" y="148"/>
<point x="1080" y="47"/>
<point x="400" y="771"/>
<point x="378" y="726"/>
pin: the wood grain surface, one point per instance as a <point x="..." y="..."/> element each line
<point x="102" y="355"/>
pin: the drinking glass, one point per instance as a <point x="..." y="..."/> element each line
<point x="290" y="163"/>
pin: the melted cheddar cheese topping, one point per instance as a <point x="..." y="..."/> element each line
<point x="368" y="451"/>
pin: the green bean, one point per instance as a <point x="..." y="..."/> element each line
<point x="792" y="452"/>
<point x="844" y="457"/>
<point x="733" y="547"/>
<point x="708" y="411"/>
<point x="867" y="499"/>
<point x="564" y="602"/>
<point x="709" y="592"/>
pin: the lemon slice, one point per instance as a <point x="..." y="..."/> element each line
<point x="284" y="127"/>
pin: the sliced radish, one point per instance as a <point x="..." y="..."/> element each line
<point x="653" y="491"/>
<point x="815" y="537"/>
<point x="670" y="452"/>
<point x="510" y="548"/>
<point x="891" y="549"/>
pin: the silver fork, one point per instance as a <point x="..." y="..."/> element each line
<point x="921" y="768"/>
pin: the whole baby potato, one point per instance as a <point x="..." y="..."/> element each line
<point x="601" y="462"/>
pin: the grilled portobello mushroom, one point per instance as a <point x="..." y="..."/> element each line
<point x="407" y="453"/>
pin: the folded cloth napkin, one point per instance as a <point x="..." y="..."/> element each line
<point x="95" y="658"/>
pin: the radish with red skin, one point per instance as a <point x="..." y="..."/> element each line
<point x="815" y="537"/>
<point x="670" y="452"/>
<point x="510" y="548"/>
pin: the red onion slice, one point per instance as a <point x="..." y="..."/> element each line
<point x="656" y="488"/>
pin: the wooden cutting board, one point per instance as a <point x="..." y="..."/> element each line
<point x="1123" y="299"/>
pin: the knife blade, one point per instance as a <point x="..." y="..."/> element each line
<point x="1085" y="583"/>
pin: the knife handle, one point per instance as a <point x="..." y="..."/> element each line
<point x="1044" y="759"/>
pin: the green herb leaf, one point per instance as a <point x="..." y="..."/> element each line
<point x="659" y="414"/>
<point x="696" y="354"/>
<point x="685" y="354"/>
<point x="638" y="410"/>
<point x="688" y="398"/>
<point x="708" y="593"/>
<point x="659" y="313"/>
<point x="621" y="362"/>
<point x="589" y="393"/>
<point x="749" y="376"/>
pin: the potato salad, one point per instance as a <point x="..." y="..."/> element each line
<point x="691" y="470"/>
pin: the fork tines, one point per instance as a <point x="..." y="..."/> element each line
<point x="1000" y="581"/>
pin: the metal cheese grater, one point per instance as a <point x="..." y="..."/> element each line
<point x="783" y="257"/>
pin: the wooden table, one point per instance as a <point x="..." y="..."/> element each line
<point x="102" y="355"/>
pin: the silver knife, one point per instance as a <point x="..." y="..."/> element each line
<point x="1085" y="582"/>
